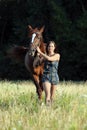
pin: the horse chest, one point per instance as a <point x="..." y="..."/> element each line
<point x="38" y="70"/>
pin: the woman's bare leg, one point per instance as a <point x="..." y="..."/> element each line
<point x="53" y="89"/>
<point x="47" y="89"/>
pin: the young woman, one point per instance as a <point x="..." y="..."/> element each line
<point x="50" y="76"/>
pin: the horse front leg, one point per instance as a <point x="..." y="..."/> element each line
<point x="38" y="86"/>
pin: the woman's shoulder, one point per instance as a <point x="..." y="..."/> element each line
<point x="58" y="56"/>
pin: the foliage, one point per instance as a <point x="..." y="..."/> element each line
<point x="65" y="23"/>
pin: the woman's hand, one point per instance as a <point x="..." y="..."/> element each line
<point x="38" y="50"/>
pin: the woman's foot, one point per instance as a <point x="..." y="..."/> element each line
<point x="48" y="103"/>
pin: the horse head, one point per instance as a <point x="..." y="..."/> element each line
<point x="36" y="39"/>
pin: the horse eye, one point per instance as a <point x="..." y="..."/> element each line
<point x="39" y="37"/>
<point x="37" y="34"/>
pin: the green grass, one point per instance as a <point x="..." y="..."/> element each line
<point x="20" y="109"/>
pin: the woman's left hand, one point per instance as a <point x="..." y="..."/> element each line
<point x="38" y="50"/>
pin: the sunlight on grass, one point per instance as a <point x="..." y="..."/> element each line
<point x="20" y="109"/>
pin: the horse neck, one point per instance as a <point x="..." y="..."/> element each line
<point x="42" y="47"/>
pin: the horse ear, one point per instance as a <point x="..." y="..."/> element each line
<point x="29" y="26"/>
<point x="42" y="29"/>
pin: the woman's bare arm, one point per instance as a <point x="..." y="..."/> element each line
<point x="55" y="57"/>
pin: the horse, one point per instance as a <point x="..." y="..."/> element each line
<point x="32" y="60"/>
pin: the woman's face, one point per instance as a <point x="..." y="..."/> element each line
<point x="51" y="47"/>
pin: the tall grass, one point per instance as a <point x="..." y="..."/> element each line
<point x="20" y="109"/>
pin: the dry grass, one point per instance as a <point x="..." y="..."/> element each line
<point x="20" y="109"/>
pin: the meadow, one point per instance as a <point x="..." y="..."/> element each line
<point x="20" y="109"/>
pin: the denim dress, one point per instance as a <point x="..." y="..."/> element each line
<point x="51" y="72"/>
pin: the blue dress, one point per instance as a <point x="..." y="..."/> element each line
<point x="51" y="72"/>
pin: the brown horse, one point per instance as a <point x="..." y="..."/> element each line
<point x="33" y="61"/>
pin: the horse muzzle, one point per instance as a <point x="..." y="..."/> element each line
<point x="32" y="52"/>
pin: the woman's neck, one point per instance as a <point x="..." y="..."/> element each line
<point x="51" y="53"/>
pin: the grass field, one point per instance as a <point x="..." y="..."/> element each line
<point x="20" y="109"/>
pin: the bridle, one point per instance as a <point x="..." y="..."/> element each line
<point x="35" y="42"/>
